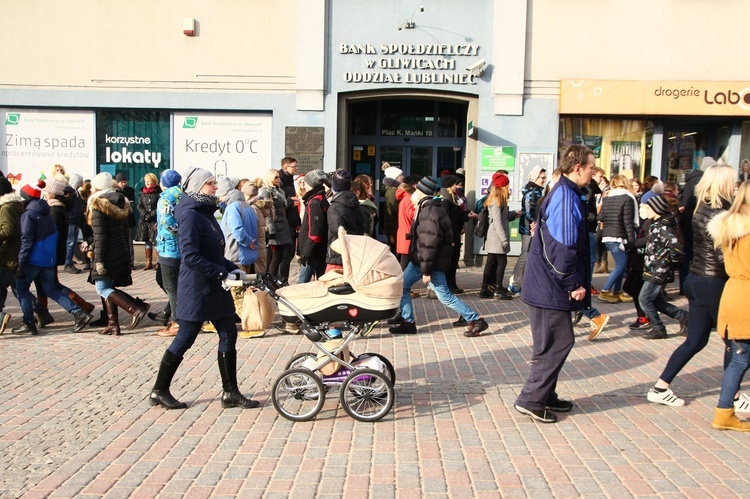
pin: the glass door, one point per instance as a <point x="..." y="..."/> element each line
<point x="420" y="162"/>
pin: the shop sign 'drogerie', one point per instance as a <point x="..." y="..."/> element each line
<point x="401" y="63"/>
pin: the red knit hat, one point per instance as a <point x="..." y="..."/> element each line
<point x="32" y="191"/>
<point x="500" y="180"/>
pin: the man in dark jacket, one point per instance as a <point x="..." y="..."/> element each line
<point x="129" y="193"/>
<point x="286" y="183"/>
<point x="38" y="257"/>
<point x="531" y="194"/>
<point x="343" y="212"/>
<point x="430" y="253"/>
<point x="76" y="219"/>
<point x="459" y="216"/>
<point x="313" y="234"/>
<point x="556" y="281"/>
<point x="389" y="216"/>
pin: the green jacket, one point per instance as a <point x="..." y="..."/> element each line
<point x="11" y="209"/>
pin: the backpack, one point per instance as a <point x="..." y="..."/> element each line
<point x="483" y="223"/>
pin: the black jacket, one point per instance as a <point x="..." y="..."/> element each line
<point x="689" y="201"/>
<point x="458" y="216"/>
<point x="590" y="192"/>
<point x="663" y="251"/>
<point x="129" y="194"/>
<point x="313" y="234"/>
<point x="61" y="216"/>
<point x="618" y="217"/>
<point x="431" y="234"/>
<point x="343" y="212"/>
<point x="108" y="216"/>
<point x="707" y="260"/>
<point x="286" y="182"/>
<point x="147" y="215"/>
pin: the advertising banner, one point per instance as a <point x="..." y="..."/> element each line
<point x="33" y="141"/>
<point x="498" y="158"/>
<point x="234" y="145"/>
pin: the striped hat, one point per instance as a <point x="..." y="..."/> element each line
<point x="660" y="205"/>
<point x="428" y="185"/>
<point x="32" y="191"/>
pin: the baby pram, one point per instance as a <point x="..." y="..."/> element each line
<point x="332" y="312"/>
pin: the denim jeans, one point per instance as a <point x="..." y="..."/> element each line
<point x="652" y="301"/>
<point x="188" y="332"/>
<point x="104" y="287"/>
<point x="734" y="372"/>
<point x="438" y="284"/>
<point x="614" y="281"/>
<point x="70" y="245"/>
<point x="310" y="268"/>
<point x="48" y="280"/>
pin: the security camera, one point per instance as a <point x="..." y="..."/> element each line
<point x="477" y="68"/>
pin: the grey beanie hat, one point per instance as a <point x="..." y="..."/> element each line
<point x="316" y="178"/>
<point x="226" y="184"/>
<point x="194" y="179"/>
<point x="75" y="181"/>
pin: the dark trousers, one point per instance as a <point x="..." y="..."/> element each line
<point x="168" y="275"/>
<point x="280" y="259"/>
<point x="404" y="261"/>
<point x="704" y="295"/>
<point x="552" y="335"/>
<point x="494" y="270"/>
<point x="450" y="274"/>
<point x="652" y="302"/>
<point x="188" y="332"/>
<point x="7" y="278"/>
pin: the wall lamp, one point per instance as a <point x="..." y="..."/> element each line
<point x="410" y="23"/>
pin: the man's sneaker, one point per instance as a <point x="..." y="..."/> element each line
<point x="515" y="291"/>
<point x="594" y="292"/>
<point x="456" y="291"/>
<point x="461" y="322"/>
<point x="476" y="327"/>
<point x="542" y="415"/>
<point x="25" y="327"/>
<point x="623" y="297"/>
<point x="487" y="291"/>
<point x="667" y="397"/>
<point x="71" y="269"/>
<point x="683" y="326"/>
<point x="597" y="325"/>
<point x="656" y="333"/>
<point x="559" y="405"/>
<point x="641" y="323"/>
<point x="82" y="320"/>
<point x="208" y="327"/>
<point x="503" y="294"/>
<point x="577" y="317"/>
<point x="4" y="319"/>
<point x="396" y="320"/>
<point x="404" y="328"/>
<point x="742" y="404"/>
<point x="608" y="296"/>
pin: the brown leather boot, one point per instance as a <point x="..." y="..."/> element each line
<point x="85" y="306"/>
<point x="170" y="330"/>
<point x="149" y="257"/>
<point x="134" y="306"/>
<point x="113" y="322"/>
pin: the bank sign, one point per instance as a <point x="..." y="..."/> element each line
<point x="686" y="98"/>
<point x="234" y="145"/>
<point x="33" y="141"/>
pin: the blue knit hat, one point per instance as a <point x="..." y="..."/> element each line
<point x="170" y="178"/>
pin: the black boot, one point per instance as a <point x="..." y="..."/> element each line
<point x="82" y="320"/>
<point x="162" y="318"/>
<point x="42" y="312"/>
<point x="232" y="396"/>
<point x="160" y="394"/>
<point x="102" y="320"/>
<point x="25" y="327"/>
<point x="134" y="306"/>
<point x="488" y="291"/>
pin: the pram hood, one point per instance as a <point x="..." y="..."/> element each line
<point x="369" y="266"/>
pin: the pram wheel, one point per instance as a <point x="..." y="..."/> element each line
<point x="299" y="359"/>
<point x="367" y="395"/>
<point x="298" y="394"/>
<point x="391" y="371"/>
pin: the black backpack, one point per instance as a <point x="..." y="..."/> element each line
<point x="483" y="223"/>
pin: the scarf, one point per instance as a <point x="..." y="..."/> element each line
<point x="149" y="190"/>
<point x="205" y="199"/>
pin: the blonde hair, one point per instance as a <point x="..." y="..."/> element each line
<point x="497" y="196"/>
<point x="715" y="187"/>
<point x="741" y="207"/>
<point x="270" y="177"/>
<point x="151" y="177"/>
<point x="622" y="182"/>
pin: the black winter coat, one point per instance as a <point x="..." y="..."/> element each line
<point x="203" y="267"/>
<point x="689" y="201"/>
<point x="286" y="182"/>
<point x="11" y="209"/>
<point x="76" y="214"/>
<point x="618" y="217"/>
<point x="108" y="217"/>
<point x="129" y="194"/>
<point x="147" y="203"/>
<point x="313" y="234"/>
<point x="458" y="216"/>
<point x="431" y="234"/>
<point x="343" y="212"/>
<point x="707" y="260"/>
<point x="61" y="216"/>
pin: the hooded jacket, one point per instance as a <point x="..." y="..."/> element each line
<point x="405" y="217"/>
<point x="204" y="267"/>
<point x="432" y="236"/>
<point x="277" y="227"/>
<point x="663" y="251"/>
<point x="313" y="234"/>
<point x="38" y="236"/>
<point x="531" y="193"/>
<point x="11" y="209"/>
<point x="166" y="224"/>
<point x="733" y="321"/>
<point x="108" y="216"/>
<point x="240" y="226"/>
<point x="343" y="212"/>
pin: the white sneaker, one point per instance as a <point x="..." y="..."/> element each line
<point x="666" y="397"/>
<point x="742" y="404"/>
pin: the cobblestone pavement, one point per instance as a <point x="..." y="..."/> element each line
<point x="74" y="419"/>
